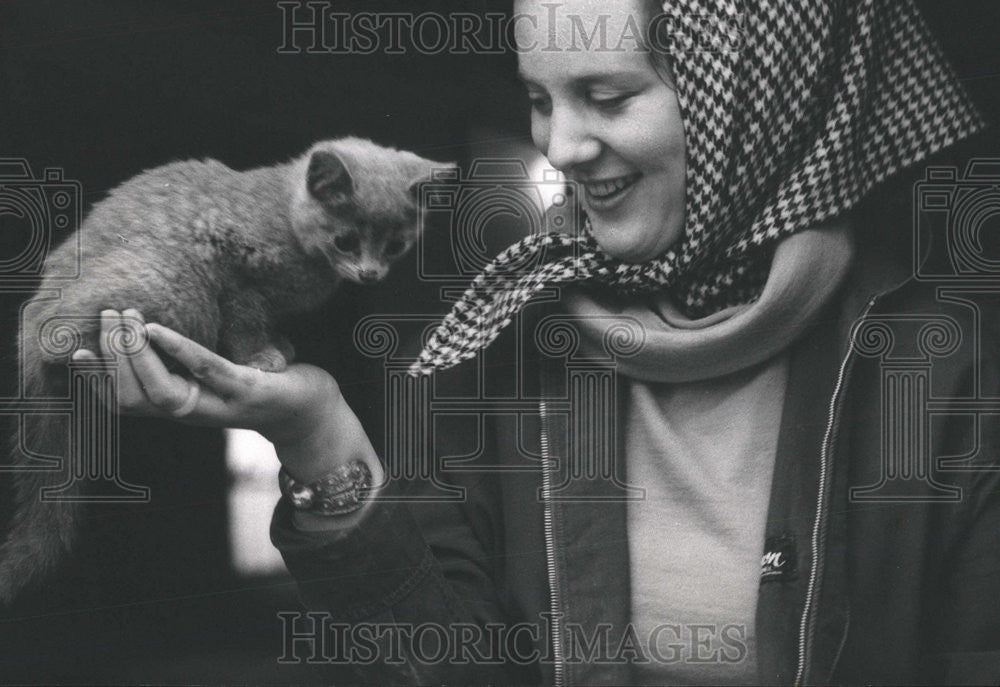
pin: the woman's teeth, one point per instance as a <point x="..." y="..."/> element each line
<point x="605" y="190"/>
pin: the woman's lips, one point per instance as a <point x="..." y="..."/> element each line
<point x="605" y="194"/>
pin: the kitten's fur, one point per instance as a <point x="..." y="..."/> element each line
<point x="219" y="256"/>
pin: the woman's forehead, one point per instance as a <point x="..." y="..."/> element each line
<point x="594" y="25"/>
<point x="580" y="38"/>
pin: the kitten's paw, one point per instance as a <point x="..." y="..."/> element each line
<point x="268" y="360"/>
<point x="284" y="347"/>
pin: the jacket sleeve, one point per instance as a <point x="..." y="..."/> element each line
<point x="418" y="573"/>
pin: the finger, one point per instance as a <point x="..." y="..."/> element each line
<point x="213" y="371"/>
<point x="150" y="371"/>
<point x="131" y="398"/>
<point x="163" y="390"/>
<point x="167" y="393"/>
<point x="211" y="408"/>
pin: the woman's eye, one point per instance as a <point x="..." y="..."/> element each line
<point x="347" y="243"/>
<point x="394" y="248"/>
<point x="609" y="102"/>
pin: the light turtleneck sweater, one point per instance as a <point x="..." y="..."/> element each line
<point x="702" y="404"/>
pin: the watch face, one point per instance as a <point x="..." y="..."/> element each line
<point x="301" y="496"/>
<point x="339" y="492"/>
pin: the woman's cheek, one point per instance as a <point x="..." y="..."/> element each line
<point x="539" y="133"/>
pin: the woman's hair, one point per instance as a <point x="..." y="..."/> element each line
<point x="657" y="54"/>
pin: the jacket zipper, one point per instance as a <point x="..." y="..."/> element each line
<point x="550" y="551"/>
<point x="806" y="626"/>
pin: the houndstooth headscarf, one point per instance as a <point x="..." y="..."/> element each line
<point x="819" y="101"/>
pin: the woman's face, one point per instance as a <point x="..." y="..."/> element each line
<point x="605" y="117"/>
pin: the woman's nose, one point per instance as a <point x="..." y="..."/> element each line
<point x="570" y="141"/>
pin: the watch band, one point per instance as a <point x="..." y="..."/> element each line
<point x="339" y="492"/>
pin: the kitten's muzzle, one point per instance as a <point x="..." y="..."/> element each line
<point x="369" y="276"/>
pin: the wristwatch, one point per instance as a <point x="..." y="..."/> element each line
<point x="339" y="492"/>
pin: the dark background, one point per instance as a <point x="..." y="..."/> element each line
<point x="104" y="89"/>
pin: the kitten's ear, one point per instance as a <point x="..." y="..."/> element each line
<point x="428" y="171"/>
<point x="328" y="179"/>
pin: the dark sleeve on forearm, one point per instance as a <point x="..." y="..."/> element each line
<point x="358" y="574"/>
<point x="392" y="569"/>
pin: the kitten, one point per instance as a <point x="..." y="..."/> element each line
<point x="219" y="256"/>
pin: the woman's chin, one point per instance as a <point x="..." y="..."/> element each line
<point x="634" y="241"/>
<point x="621" y="248"/>
<point x="631" y="255"/>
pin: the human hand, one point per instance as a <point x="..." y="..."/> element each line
<point x="299" y="409"/>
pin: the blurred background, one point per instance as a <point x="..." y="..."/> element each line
<point x="185" y="588"/>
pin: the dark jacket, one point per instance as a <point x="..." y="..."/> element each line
<point x="883" y="528"/>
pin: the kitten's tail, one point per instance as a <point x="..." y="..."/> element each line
<point x="40" y="531"/>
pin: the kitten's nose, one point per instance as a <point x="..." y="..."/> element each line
<point x="368" y="276"/>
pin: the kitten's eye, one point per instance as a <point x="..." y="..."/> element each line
<point x="394" y="248"/>
<point x="347" y="243"/>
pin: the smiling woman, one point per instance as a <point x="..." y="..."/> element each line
<point x="723" y="191"/>
<point x="720" y="185"/>
<point x="773" y="142"/>
<point x="610" y="120"/>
